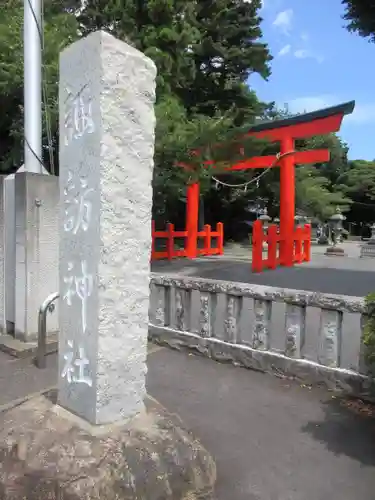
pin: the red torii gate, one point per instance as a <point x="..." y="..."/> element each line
<point x="284" y="131"/>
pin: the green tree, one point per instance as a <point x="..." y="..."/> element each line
<point x="227" y="52"/>
<point x="192" y="142"/>
<point x="204" y="50"/>
<point x="358" y="183"/>
<point x="359" y="179"/>
<point x="338" y="150"/>
<point x="314" y="195"/>
<point x="360" y="15"/>
<point x="162" y="29"/>
<point x="167" y="31"/>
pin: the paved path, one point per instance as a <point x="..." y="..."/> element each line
<point x="317" y="277"/>
<point x="271" y="438"/>
<point x="20" y="378"/>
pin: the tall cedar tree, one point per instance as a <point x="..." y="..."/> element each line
<point x="162" y="29"/>
<point x="360" y="15"/>
<point x="205" y="50"/>
<point x="228" y="51"/>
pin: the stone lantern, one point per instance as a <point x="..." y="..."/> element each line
<point x="371" y="241"/>
<point x="265" y="218"/>
<point x="336" y="228"/>
<point x="298" y="220"/>
<point x="276" y="221"/>
<point x="368" y="250"/>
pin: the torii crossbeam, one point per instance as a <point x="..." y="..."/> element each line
<point x="285" y="132"/>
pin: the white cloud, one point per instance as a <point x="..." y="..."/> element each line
<point x="307" y="54"/>
<point x="283" y="21"/>
<point x="305" y="37"/>
<point x="301" y="54"/>
<point x="285" y="50"/>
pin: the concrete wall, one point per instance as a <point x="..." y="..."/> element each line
<point x="37" y="244"/>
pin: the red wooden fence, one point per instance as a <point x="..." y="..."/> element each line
<point x="170" y="235"/>
<point x="274" y="242"/>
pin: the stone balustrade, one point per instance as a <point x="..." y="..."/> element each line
<point x="314" y="337"/>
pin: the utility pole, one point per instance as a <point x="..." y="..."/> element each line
<point x="33" y="85"/>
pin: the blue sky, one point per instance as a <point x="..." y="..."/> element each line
<point x="317" y="63"/>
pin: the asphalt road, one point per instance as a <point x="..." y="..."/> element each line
<point x="271" y="438"/>
<point x="300" y="277"/>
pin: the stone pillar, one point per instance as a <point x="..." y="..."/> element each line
<point x="36" y="250"/>
<point x="107" y="92"/>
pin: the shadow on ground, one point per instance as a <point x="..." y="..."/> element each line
<point x="272" y="439"/>
<point x="348" y="428"/>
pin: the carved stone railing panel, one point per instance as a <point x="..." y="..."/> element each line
<point x="207" y="314"/>
<point x="161" y="301"/>
<point x="362" y="366"/>
<point x="232" y="318"/>
<point x="330" y="338"/>
<point x="183" y="308"/>
<point x="261" y="335"/>
<point x="295" y="330"/>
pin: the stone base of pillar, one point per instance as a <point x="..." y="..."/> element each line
<point x="47" y="452"/>
<point x="368" y="250"/>
<point x="335" y="252"/>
